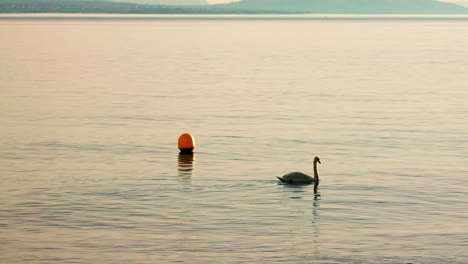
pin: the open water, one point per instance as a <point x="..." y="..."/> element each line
<point x="91" y="108"/>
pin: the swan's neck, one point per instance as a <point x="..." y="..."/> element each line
<point x="316" y="177"/>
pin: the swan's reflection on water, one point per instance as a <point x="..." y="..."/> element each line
<point x="300" y="188"/>
<point x="185" y="167"/>
<point x="302" y="211"/>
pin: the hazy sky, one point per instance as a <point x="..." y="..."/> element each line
<point x="220" y="1"/>
<point x="227" y="1"/>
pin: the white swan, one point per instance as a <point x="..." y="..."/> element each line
<point x="301" y="178"/>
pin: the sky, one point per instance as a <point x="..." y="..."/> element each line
<point x="227" y="1"/>
<point x="220" y="1"/>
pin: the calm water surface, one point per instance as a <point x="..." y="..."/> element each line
<point x="91" y="109"/>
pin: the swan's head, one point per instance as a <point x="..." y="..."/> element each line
<point x="316" y="159"/>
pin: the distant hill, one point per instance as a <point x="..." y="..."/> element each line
<point x="349" y="6"/>
<point x="89" y="7"/>
<point x="242" y="7"/>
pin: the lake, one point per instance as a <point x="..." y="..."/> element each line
<point x="91" y="108"/>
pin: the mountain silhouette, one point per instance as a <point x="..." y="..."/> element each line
<point x="349" y="6"/>
<point x="242" y="7"/>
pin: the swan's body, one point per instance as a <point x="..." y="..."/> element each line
<point x="301" y="178"/>
<point x="296" y="178"/>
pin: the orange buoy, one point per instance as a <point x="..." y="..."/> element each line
<point x="186" y="143"/>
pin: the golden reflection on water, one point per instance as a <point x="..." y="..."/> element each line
<point x="185" y="167"/>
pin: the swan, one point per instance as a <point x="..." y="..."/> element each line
<point x="301" y="178"/>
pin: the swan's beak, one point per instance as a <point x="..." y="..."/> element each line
<point x="319" y="162"/>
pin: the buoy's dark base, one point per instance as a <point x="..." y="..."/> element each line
<point x="186" y="151"/>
